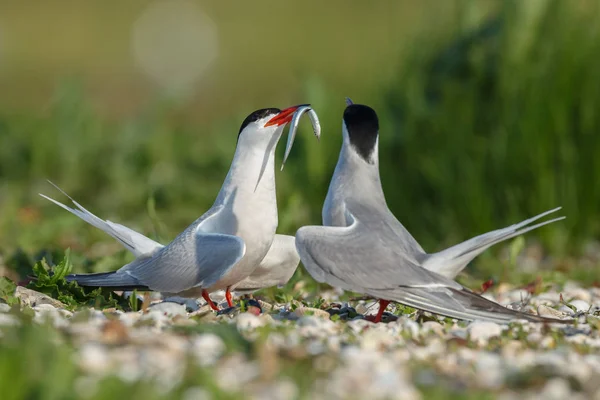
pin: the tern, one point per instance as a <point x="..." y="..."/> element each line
<point x="223" y="247"/>
<point x="276" y="268"/>
<point x="363" y="248"/>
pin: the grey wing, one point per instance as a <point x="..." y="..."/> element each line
<point x="133" y="241"/>
<point x="363" y="259"/>
<point x="276" y="268"/>
<point x="193" y="259"/>
<point x="451" y="261"/>
<point x="357" y="258"/>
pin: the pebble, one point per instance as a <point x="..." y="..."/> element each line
<point x="302" y="311"/>
<point x="207" y="348"/>
<point x="577" y="293"/>
<point x="378" y="340"/>
<point x="548" y="312"/>
<point x="481" y="332"/>
<point x="246" y="321"/>
<point x="32" y="298"/>
<point x="555" y="389"/>
<point x="432" y="326"/>
<point x="580" y="305"/>
<point x="130" y="318"/>
<point x="4" y="307"/>
<point x="156" y="318"/>
<point x="170" y="309"/>
<point x="47" y="313"/>
<point x="489" y="369"/>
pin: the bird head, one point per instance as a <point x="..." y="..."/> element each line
<point x="360" y="129"/>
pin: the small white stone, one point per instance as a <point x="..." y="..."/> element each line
<point x="490" y="371"/>
<point x="566" y="310"/>
<point x="170" y="309"/>
<point x="580" y="305"/>
<point x="94" y="358"/>
<point x="432" y="326"/>
<point x="4" y="307"/>
<point x="548" y="312"/>
<point x="130" y="318"/>
<point x="579" y="338"/>
<point x="481" y="332"/>
<point x="65" y="313"/>
<point x="535" y="337"/>
<point x="361" y="308"/>
<point x="44" y="307"/>
<point x="358" y="325"/>
<point x="334" y="343"/>
<point x="556" y="389"/>
<point x="47" y="313"/>
<point x="410" y="326"/>
<point x="547" y="342"/>
<point x="457" y="331"/>
<point x="234" y="372"/>
<point x="511" y="349"/>
<point x="191" y="304"/>
<point x="316" y="326"/>
<point x="315" y="347"/>
<point x="246" y="321"/>
<point x="578" y="294"/>
<point x="377" y="340"/>
<point x="158" y="318"/>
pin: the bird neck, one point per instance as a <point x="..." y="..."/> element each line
<point x="353" y="179"/>
<point x="251" y="175"/>
<point x="363" y="175"/>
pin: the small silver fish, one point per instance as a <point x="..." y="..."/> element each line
<point x="314" y="119"/>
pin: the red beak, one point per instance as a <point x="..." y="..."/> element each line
<point x="283" y="117"/>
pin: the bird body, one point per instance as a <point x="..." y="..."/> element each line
<point x="363" y="247"/>
<point x="226" y="244"/>
<point x="276" y="268"/>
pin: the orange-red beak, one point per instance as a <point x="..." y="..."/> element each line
<point x="283" y="117"/>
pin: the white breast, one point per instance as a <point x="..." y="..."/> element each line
<point x="250" y="210"/>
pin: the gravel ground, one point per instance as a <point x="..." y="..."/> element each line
<point x="342" y="354"/>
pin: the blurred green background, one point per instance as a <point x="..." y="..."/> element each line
<point x="488" y="109"/>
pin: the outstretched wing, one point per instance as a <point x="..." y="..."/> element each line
<point x="133" y="241"/>
<point x="363" y="258"/>
<point x="451" y="261"/>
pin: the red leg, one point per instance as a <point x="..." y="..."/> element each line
<point x="228" y="297"/>
<point x="382" y="306"/>
<point x="486" y="285"/>
<point x="209" y="301"/>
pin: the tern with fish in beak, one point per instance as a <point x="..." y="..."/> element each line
<point x="363" y="248"/>
<point x="225" y="245"/>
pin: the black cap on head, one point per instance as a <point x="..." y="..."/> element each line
<point x="363" y="127"/>
<point x="256" y="115"/>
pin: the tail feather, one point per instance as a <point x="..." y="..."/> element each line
<point x="459" y="303"/>
<point x="133" y="241"/>
<point x="451" y="261"/>
<point x="114" y="280"/>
